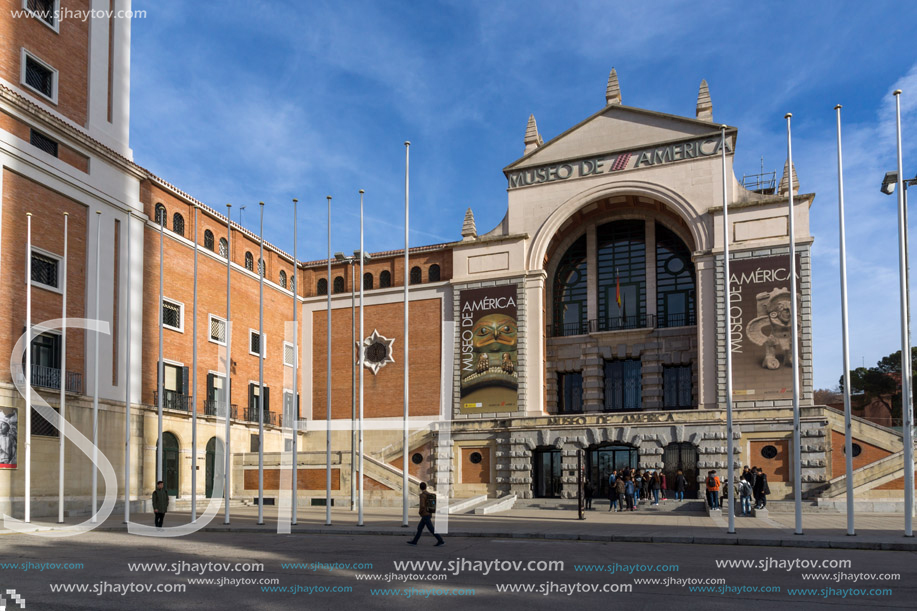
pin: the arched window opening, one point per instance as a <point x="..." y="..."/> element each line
<point x="433" y="273"/>
<point x="321" y="287"/>
<point x="385" y="279"/>
<point x="249" y="262"/>
<point x="208" y="240"/>
<point x="416" y="275"/>
<point x="178" y="224"/>
<point x="367" y="281"/>
<point x="675" y="280"/>
<point x="569" y="305"/>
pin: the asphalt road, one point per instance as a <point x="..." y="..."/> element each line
<point x="469" y="582"/>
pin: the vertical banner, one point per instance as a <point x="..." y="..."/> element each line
<point x="9" y="437"/>
<point x="761" y="343"/>
<point x="488" y="347"/>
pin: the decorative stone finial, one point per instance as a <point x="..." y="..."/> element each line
<point x="704" y="103"/>
<point x="532" y="138"/>
<point x="613" y="91"/>
<point x="469" y="231"/>
<point x="784" y="187"/>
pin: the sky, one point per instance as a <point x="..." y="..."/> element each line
<point x="240" y="102"/>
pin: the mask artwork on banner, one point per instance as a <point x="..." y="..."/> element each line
<point x="488" y="348"/>
<point x="9" y="437"/>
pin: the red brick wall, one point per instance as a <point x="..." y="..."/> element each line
<point x="383" y="392"/>
<point x="394" y="264"/>
<point x="21" y="195"/>
<point x="777" y="468"/>
<point x="64" y="153"/>
<point x="476" y="473"/>
<point x="869" y="454"/>
<point x="306" y="479"/>
<point x="422" y="471"/>
<point x="897" y="484"/>
<point x="67" y="52"/>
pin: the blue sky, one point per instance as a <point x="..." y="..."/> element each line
<point x="248" y="101"/>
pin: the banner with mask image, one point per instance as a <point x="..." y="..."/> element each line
<point x="761" y="333"/>
<point x="9" y="437"/>
<point x="488" y="350"/>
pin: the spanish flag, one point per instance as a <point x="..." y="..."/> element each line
<point x="618" y="288"/>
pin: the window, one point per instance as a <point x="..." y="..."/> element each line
<point x="224" y="247"/>
<point x="46" y="270"/>
<point x="172" y="315"/>
<point x="322" y="287"/>
<point x="367" y="281"/>
<point x="385" y="279"/>
<point x="260" y="266"/>
<point x="42" y="427"/>
<point x="569" y="304"/>
<point x="416" y="275"/>
<point x="217" y="330"/>
<point x="339" y="284"/>
<point x="43" y="142"/>
<point x="623" y="385"/>
<point x="178" y="224"/>
<point x="283" y="279"/>
<point x="769" y="452"/>
<point x="547" y="480"/>
<point x="215" y="404"/>
<point x="476" y="458"/>
<point x="569" y="393"/>
<point x="160" y="214"/>
<point x="208" y="241"/>
<point x="289" y="355"/>
<point x="249" y="261"/>
<point x="433" y="273"/>
<point x="254" y="392"/>
<point x="44" y="11"/>
<point x="676" y="386"/>
<point x="39" y="76"/>
<point x="621" y="262"/>
<point x="675" y="283"/>
<point x="417" y="458"/>
<point x="254" y="443"/>
<point x="254" y="343"/>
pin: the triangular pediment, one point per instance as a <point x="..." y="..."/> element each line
<point x="614" y="128"/>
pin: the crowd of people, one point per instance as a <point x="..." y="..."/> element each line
<point x="628" y="487"/>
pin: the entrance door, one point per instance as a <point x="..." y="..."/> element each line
<point x="213" y="464"/>
<point x="170" y="463"/>
<point x="600" y="460"/>
<point x="681" y="456"/>
<point x="547" y="480"/>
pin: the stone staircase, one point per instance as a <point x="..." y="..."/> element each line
<point x="392" y="451"/>
<point x="866" y="477"/>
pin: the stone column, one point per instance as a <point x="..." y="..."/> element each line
<point x="708" y="345"/>
<point x="650" y="244"/>
<point x="592" y="275"/>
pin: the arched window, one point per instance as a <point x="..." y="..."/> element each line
<point x="322" y="286"/>
<point x="249" y="261"/>
<point x="433" y="273"/>
<point x="208" y="240"/>
<point x="178" y="224"/>
<point x="416" y="275"/>
<point x="675" y="280"/>
<point x="385" y="279"/>
<point x="569" y="303"/>
<point x="367" y="281"/>
<point x="339" y="284"/>
<point x="160" y="214"/>
<point x="224" y="247"/>
<point x="260" y="266"/>
<point x="621" y="274"/>
<point x="283" y="279"/>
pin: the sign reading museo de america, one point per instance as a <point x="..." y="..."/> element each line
<point x="617" y="162"/>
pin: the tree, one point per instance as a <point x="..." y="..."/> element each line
<point x="882" y="383"/>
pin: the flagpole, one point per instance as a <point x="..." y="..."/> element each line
<point x="160" y="368"/>
<point x="404" y="444"/>
<point x="227" y="390"/>
<point x="730" y="467"/>
<point x="262" y="268"/>
<point x="907" y="408"/>
<point x="353" y="388"/>
<point x="295" y="408"/>
<point x="28" y="368"/>
<point x="194" y="382"/>
<point x="797" y="463"/>
<point x="63" y="380"/>
<point x="95" y="391"/>
<point x="127" y="380"/>
<point x="362" y="355"/>
<point x="328" y="387"/>
<point x="848" y="432"/>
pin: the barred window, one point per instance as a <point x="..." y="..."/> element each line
<point x="385" y="279"/>
<point x="217" y="330"/>
<point x="322" y="286"/>
<point x="39" y="77"/>
<point x="339" y="284"/>
<point x="160" y="214"/>
<point x="224" y="247"/>
<point x="43" y="9"/>
<point x="367" y="281"/>
<point x="42" y="427"/>
<point x="433" y="273"/>
<point x="172" y="315"/>
<point x="249" y="261"/>
<point x="260" y="266"/>
<point x="178" y="224"/>
<point x="416" y="275"/>
<point x="283" y="279"/>
<point x="254" y="343"/>
<point x="288" y="354"/>
<point x="208" y="240"/>
<point x="45" y="270"/>
<point x="43" y="142"/>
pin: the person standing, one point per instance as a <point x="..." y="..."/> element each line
<point x="587" y="492"/>
<point x="663" y="485"/>
<point x="160" y="503"/>
<point x="621" y="491"/>
<point x="426" y="516"/>
<point x="761" y="490"/>
<point x="630" y="489"/>
<point x="655" y="485"/>
<point x="745" y="493"/>
<point x="612" y="490"/>
<point x="680" y="484"/>
<point x="713" y="490"/>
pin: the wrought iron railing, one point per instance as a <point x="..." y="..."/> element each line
<point x="217" y="407"/>
<point x="621" y="323"/>
<point x="50" y="377"/>
<point x="269" y="417"/>
<point x="677" y="320"/>
<point x="172" y="399"/>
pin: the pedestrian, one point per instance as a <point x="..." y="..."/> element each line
<point x="663" y="485"/>
<point x="752" y="476"/>
<point x="160" y="503"/>
<point x="587" y="492"/>
<point x="713" y="490"/>
<point x="655" y="486"/>
<point x="745" y="493"/>
<point x="638" y="485"/>
<point x="621" y="491"/>
<point x="612" y="492"/>
<point x="427" y="507"/>
<point x="680" y="484"/>
<point x="761" y="490"/>
<point x="630" y="489"/>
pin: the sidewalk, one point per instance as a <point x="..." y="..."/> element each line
<point x="822" y="530"/>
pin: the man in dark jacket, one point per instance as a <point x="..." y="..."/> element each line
<point x="160" y="503"/>
<point x="761" y="490"/>
<point x="426" y="518"/>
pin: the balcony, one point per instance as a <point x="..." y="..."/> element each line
<point x="619" y="323"/>
<point x="270" y="418"/>
<point x="217" y="407"/>
<point x="50" y="377"/>
<point x="172" y="399"/>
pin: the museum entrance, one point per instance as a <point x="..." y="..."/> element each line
<point x="602" y="459"/>
<point x="681" y="456"/>
<point x="547" y="480"/>
<point x="213" y="464"/>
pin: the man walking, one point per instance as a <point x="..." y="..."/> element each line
<point x="427" y="506"/>
<point x="160" y="503"/>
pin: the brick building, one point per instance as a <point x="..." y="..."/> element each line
<point x="588" y="320"/>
